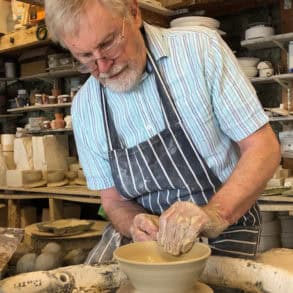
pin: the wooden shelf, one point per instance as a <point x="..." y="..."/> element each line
<point x="5" y="79"/>
<point x="281" y="40"/>
<point x="64" y="190"/>
<point x="280" y="119"/>
<point x="272" y="79"/>
<point x="151" y="5"/>
<point x="50" y="131"/>
<point x="40" y="108"/>
<point x="51" y="75"/>
<point x="7" y="116"/>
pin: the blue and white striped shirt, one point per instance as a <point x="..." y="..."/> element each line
<point x="216" y="102"/>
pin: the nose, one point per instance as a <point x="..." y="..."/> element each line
<point x="104" y="65"/>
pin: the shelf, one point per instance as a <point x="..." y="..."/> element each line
<point x="51" y="75"/>
<point x="38" y="108"/>
<point x="286" y="77"/>
<point x="2" y="116"/>
<point x="151" y="5"/>
<point x="69" y="190"/>
<point x="5" y="79"/>
<point x="50" y="131"/>
<point x="281" y="40"/>
<point x="282" y="118"/>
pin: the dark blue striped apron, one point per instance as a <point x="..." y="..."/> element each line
<point x="164" y="169"/>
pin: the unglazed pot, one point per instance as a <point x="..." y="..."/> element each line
<point x="150" y="269"/>
<point x="58" y="122"/>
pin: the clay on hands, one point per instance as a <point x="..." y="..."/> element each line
<point x="145" y="227"/>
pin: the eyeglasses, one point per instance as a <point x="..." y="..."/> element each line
<point x="109" y="50"/>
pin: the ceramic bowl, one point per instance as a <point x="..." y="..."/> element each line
<point x="150" y="269"/>
<point x="250" y="71"/>
<point x="248" y="61"/>
<point x="195" y="20"/>
<point x="259" y="31"/>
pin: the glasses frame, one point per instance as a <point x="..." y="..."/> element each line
<point x="86" y="67"/>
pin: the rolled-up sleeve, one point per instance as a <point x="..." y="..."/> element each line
<point x="94" y="161"/>
<point x="234" y="99"/>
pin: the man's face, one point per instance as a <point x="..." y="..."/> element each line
<point x="120" y="67"/>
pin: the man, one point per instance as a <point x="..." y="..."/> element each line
<point x="168" y="129"/>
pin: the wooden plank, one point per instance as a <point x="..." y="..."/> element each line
<point x="83" y="199"/>
<point x="276" y="207"/>
<point x="13" y="213"/>
<point x="68" y="189"/>
<point x="277" y="198"/>
<point x="55" y="209"/>
<point x="20" y="39"/>
<point x="40" y="107"/>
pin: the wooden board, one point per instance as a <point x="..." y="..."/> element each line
<point x="69" y="190"/>
<point x="96" y="230"/>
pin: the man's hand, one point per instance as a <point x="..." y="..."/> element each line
<point x="145" y="227"/>
<point x="182" y="223"/>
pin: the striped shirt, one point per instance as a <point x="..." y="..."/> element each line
<point x="217" y="103"/>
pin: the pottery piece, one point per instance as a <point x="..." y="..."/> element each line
<point x="71" y="175"/>
<point x="66" y="226"/>
<point x="53" y="176"/>
<point x="58" y="184"/>
<point x="40" y="183"/>
<point x="58" y="122"/>
<point x="150" y="269"/>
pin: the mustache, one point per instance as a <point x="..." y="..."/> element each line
<point x="114" y="71"/>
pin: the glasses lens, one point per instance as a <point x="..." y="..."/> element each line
<point x="87" y="68"/>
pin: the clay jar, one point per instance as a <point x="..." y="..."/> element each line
<point x="58" y="122"/>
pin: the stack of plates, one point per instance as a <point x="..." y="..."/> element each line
<point x="249" y="65"/>
<point x="286" y="230"/>
<point x="270" y="234"/>
<point x="191" y="21"/>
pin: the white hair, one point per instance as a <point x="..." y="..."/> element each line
<point x="63" y="16"/>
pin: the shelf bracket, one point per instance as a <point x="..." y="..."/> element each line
<point x="280" y="45"/>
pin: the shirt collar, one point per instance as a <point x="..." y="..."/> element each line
<point x="156" y="41"/>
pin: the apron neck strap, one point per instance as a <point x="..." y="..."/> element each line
<point x="170" y="113"/>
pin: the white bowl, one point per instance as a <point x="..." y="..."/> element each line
<point x="259" y="31"/>
<point x="248" y="61"/>
<point x="250" y="71"/>
<point x="195" y="20"/>
<point x="149" y="269"/>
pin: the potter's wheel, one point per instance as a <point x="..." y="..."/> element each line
<point x="198" y="288"/>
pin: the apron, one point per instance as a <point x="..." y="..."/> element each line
<point x="164" y="169"/>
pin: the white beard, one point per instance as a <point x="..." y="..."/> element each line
<point x="126" y="80"/>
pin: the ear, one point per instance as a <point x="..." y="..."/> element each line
<point x="135" y="13"/>
<point x="134" y="10"/>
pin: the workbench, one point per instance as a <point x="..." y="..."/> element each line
<point x="56" y="196"/>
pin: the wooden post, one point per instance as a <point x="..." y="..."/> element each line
<point x="13" y="213"/>
<point x="55" y="209"/>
